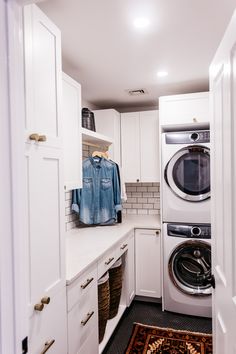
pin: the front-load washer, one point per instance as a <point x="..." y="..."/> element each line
<point x="186" y="176"/>
<point x="187" y="277"/>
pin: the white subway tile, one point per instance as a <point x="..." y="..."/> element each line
<point x="157" y="194"/>
<point x="153" y="189"/>
<point x="156" y="184"/>
<point x="143" y="189"/>
<point x="68" y="211"/>
<point x="147" y="206"/>
<point x="131" y="189"/>
<point x="157" y="205"/>
<point x="127" y="206"/>
<point x="142" y="200"/>
<point x="132" y="200"/>
<point x="148" y="194"/>
<point x="153" y="212"/>
<point x="142" y="212"/>
<point x="131" y="211"/>
<point x="146" y="184"/>
<point x="124" y="211"/>
<point x="68" y="203"/>
<point x="137" y="206"/>
<point x="136" y="194"/>
<point x="153" y="200"/>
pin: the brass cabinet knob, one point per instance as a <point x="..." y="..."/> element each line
<point x="42" y="138"/>
<point x="39" y="307"/>
<point x="34" y="137"/>
<point x="195" y="120"/>
<point x="45" y="300"/>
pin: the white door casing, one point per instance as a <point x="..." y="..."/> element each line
<point x="223" y="177"/>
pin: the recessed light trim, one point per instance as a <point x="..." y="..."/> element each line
<point x="141" y="22"/>
<point x="162" y="73"/>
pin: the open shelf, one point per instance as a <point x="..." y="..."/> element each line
<point x="91" y="137"/>
<point x="111" y="325"/>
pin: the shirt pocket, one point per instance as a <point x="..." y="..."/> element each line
<point x="87" y="182"/>
<point x="106" y="183"/>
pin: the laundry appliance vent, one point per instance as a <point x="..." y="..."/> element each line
<point x="137" y="92"/>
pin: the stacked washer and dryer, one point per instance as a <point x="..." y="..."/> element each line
<point x="186" y="229"/>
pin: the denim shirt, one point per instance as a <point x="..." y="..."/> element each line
<point x="99" y="199"/>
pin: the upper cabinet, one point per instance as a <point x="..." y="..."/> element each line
<point x="107" y="122"/>
<point x="140" y="146"/>
<point x="72" y="139"/>
<point x="189" y="109"/>
<point x="42" y="77"/>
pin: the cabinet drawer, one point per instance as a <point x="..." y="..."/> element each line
<point x="91" y="345"/>
<point x="82" y="321"/>
<point x="82" y="288"/>
<point x="107" y="261"/>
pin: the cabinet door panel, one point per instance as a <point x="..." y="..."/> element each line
<point x="148" y="263"/>
<point x="72" y="147"/>
<point x="46" y="222"/>
<point x="149" y="146"/>
<point x="130" y="147"/>
<point x="42" y="76"/>
<point x="131" y="270"/>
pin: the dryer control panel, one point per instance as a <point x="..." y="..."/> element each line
<point x="202" y="231"/>
<point x="188" y="137"/>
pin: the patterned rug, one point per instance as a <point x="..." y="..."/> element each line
<point x="156" y="340"/>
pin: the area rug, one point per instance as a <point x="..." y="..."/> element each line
<point x="156" y="340"/>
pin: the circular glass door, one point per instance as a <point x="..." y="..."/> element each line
<point x="190" y="267"/>
<point x="188" y="173"/>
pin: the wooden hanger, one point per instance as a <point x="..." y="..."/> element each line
<point x="101" y="154"/>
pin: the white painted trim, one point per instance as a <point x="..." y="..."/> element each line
<point x="13" y="299"/>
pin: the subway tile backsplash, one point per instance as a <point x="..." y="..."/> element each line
<point x="142" y="199"/>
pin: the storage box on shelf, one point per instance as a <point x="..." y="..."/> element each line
<point x="188" y="111"/>
<point x="140" y="146"/>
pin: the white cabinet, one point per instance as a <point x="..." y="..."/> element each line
<point x="107" y="122"/>
<point x="72" y="139"/>
<point x="148" y="262"/>
<point x="140" y="146"/>
<point x="189" y="109"/>
<point x="82" y="306"/>
<point x="130" y="264"/>
<point x="44" y="179"/>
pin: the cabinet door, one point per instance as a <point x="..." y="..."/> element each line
<point x="130" y="146"/>
<point x="149" y="146"/>
<point x="148" y="263"/>
<point x="184" y="109"/>
<point x="42" y="76"/>
<point x="131" y="270"/>
<point x="72" y="141"/>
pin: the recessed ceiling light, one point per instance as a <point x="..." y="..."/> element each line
<point x="141" y="22"/>
<point x="162" y="73"/>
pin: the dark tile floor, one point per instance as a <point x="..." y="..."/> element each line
<point x="151" y="314"/>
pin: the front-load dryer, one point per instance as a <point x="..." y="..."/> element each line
<point x="187" y="277"/>
<point x="186" y="176"/>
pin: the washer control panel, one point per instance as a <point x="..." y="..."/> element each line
<point x="188" y="137"/>
<point x="202" y="231"/>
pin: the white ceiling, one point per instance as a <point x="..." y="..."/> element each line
<point x="107" y="55"/>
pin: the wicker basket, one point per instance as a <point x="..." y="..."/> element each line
<point x="103" y="304"/>
<point x="115" y="283"/>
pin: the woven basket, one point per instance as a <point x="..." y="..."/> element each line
<point x="103" y="304"/>
<point x="115" y="283"/>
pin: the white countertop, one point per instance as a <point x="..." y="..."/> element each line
<point x="84" y="246"/>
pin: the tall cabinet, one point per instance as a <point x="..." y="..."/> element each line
<point x="44" y="171"/>
<point x="140" y="146"/>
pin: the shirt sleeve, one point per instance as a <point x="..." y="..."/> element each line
<point x="116" y="189"/>
<point x="76" y="200"/>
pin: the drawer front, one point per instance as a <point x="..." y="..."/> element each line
<point x="123" y="247"/>
<point x="91" y="345"/>
<point x="82" y="321"/>
<point x="107" y="261"/>
<point x="81" y="288"/>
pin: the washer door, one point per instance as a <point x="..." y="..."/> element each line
<point x="190" y="267"/>
<point x="188" y="173"/>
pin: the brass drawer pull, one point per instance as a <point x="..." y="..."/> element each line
<point x="39" y="307"/>
<point x="42" y="138"/>
<point x="47" y="346"/>
<point x="45" y="300"/>
<point x="123" y="247"/>
<point x="88" y="281"/>
<point x="89" y="315"/>
<point x="109" y="261"/>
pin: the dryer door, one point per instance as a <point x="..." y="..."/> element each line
<point x="190" y="267"/>
<point x="188" y="173"/>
